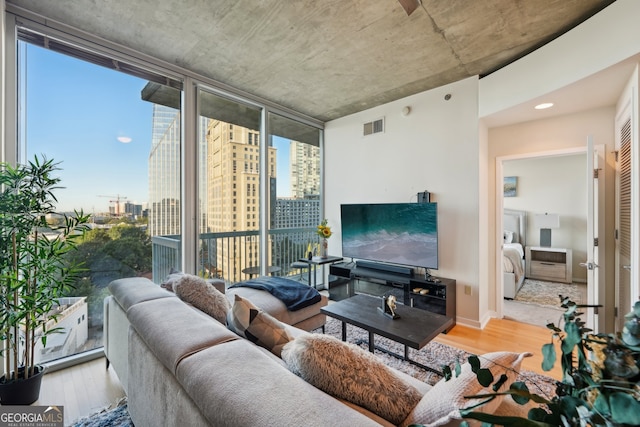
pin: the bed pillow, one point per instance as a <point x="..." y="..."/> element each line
<point x="203" y="296"/>
<point x="259" y="327"/>
<point x="348" y="372"/>
<point x="442" y="403"/>
<point x="507" y="236"/>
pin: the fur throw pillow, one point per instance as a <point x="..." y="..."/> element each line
<point x="202" y="295"/>
<point x="348" y="372"/>
<point x="441" y="405"/>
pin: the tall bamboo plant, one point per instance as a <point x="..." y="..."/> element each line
<point x="33" y="268"/>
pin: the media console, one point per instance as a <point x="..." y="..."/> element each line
<point x="434" y="294"/>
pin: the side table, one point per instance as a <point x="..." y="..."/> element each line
<point x="315" y="261"/>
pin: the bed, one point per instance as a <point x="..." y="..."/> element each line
<point x="514" y="241"/>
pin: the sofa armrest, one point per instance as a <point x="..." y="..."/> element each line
<point x="116" y="345"/>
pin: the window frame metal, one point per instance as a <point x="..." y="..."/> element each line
<point x="47" y="30"/>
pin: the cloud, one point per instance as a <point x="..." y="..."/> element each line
<point x="124" y="139"/>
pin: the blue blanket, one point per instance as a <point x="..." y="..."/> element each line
<point x="294" y="295"/>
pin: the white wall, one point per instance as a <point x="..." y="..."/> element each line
<point x="607" y="38"/>
<point x="434" y="148"/>
<point x="556" y="184"/>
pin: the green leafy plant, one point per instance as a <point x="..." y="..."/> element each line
<point x="600" y="377"/>
<point x="33" y="267"/>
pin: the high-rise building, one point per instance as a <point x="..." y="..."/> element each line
<point x="305" y="170"/>
<point x="233" y="183"/>
<point x="297" y="213"/>
<point x="164" y="172"/>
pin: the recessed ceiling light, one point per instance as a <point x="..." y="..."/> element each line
<point x="544" y="105"/>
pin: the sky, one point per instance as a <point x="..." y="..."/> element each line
<point x="93" y="120"/>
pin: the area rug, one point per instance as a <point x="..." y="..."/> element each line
<point x="433" y="355"/>
<point x="116" y="416"/>
<point x="533" y="314"/>
<point x="539" y="292"/>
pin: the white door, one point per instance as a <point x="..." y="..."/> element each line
<point x="626" y="294"/>
<point x="595" y="178"/>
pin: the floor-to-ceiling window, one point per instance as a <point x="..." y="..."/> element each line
<point x="228" y="188"/>
<point x="294" y="190"/>
<point x="119" y="160"/>
<point x="117" y="123"/>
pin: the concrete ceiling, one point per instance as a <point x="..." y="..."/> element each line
<point x="326" y="58"/>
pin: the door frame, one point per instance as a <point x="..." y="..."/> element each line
<point x="499" y="292"/>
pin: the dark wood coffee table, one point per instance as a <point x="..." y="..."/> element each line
<point x="415" y="328"/>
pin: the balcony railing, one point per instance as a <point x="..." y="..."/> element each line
<point x="235" y="256"/>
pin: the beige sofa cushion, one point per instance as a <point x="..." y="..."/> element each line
<point x="172" y="330"/>
<point x="442" y="404"/>
<point x="236" y="384"/>
<point x="133" y="290"/>
<point x="348" y="372"/>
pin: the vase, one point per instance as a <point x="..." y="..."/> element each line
<point x="324" y="248"/>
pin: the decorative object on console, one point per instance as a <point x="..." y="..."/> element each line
<point x="389" y="307"/>
<point x="545" y="223"/>
<point x="324" y="231"/>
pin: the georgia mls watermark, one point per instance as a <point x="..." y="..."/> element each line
<point x="31" y="416"/>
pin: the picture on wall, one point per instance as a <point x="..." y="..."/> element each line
<point x="510" y="186"/>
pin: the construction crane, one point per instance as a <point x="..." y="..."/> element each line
<point x="116" y="200"/>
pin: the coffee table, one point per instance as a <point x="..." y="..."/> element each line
<point x="415" y="328"/>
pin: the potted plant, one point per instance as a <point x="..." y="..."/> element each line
<point x="33" y="271"/>
<point x="601" y="377"/>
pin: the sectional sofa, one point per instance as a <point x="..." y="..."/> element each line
<point x="180" y="366"/>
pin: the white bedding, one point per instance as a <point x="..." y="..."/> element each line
<point x="513" y="254"/>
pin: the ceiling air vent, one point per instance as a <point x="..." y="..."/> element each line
<point x="376" y="126"/>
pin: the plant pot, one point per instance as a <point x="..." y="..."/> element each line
<point x="21" y="392"/>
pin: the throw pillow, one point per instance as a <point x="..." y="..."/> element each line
<point x="172" y="278"/>
<point x="202" y="295"/>
<point x="348" y="372"/>
<point x="442" y="403"/>
<point x="259" y="327"/>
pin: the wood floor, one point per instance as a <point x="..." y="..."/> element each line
<point x="82" y="389"/>
<point x="89" y="387"/>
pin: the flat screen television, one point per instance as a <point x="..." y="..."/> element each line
<point x="397" y="233"/>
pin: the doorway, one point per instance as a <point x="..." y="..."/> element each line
<point x="554" y="184"/>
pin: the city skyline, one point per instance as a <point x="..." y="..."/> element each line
<point x="93" y="121"/>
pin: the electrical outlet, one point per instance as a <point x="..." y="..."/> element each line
<point x="467" y="290"/>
